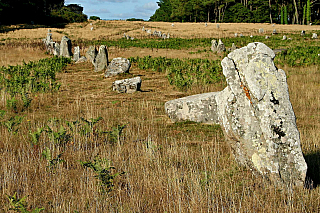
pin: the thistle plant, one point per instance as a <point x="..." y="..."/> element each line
<point x="102" y="169"/>
<point x="20" y="204"/>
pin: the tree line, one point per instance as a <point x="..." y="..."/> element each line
<point x="38" y="12"/>
<point x="235" y="11"/>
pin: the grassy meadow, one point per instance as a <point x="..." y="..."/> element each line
<point x="68" y="143"/>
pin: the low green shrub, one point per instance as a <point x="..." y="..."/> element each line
<point x="183" y="73"/>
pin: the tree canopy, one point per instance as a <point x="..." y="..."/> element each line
<point x="37" y="11"/>
<point x="249" y="11"/>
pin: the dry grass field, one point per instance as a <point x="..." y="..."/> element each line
<point x="154" y="165"/>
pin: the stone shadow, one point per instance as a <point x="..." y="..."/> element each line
<point x="313" y="172"/>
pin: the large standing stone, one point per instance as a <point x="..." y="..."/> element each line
<point x="255" y="113"/>
<point x="56" y="49"/>
<point x="117" y="66"/>
<point x="91" y="54"/>
<point x="65" y="47"/>
<point x="220" y="47"/>
<point x="214" y="45"/>
<point x="101" y="60"/>
<point x="49" y="43"/>
<point x="76" y="55"/>
<point x="130" y="85"/>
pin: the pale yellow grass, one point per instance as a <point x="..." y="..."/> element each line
<point x="169" y="167"/>
<point x="115" y="30"/>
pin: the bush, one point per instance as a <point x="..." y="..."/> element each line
<point x="66" y="15"/>
<point x="135" y="19"/>
<point x="94" y="18"/>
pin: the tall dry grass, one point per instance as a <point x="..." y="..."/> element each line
<point x="168" y="167"/>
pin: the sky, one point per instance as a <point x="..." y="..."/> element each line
<point x="117" y="9"/>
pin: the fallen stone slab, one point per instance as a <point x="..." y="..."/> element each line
<point x="255" y="113"/>
<point x="130" y="85"/>
<point x="198" y="108"/>
<point x="117" y="66"/>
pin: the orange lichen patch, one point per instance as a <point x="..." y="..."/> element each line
<point x="246" y="91"/>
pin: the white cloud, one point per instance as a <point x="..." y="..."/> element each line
<point x="150" y="6"/>
<point x="114" y="1"/>
<point x="100" y="10"/>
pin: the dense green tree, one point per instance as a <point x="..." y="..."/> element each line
<point x="271" y="11"/>
<point x="36" y="11"/>
<point x="163" y="13"/>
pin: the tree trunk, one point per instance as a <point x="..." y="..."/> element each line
<point x="296" y="11"/>
<point x="270" y="11"/>
<point x="208" y="16"/>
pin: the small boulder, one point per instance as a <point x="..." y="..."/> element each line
<point x="303" y="33"/>
<point x="314" y="35"/>
<point x="130" y="85"/>
<point x="81" y="59"/>
<point x="117" y="66"/>
<point x="233" y="47"/>
<point x="274" y="32"/>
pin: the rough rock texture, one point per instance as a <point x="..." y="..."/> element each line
<point x="101" y="61"/>
<point x="117" y="66"/>
<point x="214" y="45"/>
<point x="198" y="108"/>
<point x="82" y="59"/>
<point x="49" y="43"/>
<point x="65" y="47"/>
<point x="220" y="47"/>
<point x="233" y="47"/>
<point x="255" y="113"/>
<point x="76" y="54"/>
<point x="217" y="47"/>
<point x="56" y="49"/>
<point x="314" y="35"/>
<point x="91" y="54"/>
<point x="130" y="85"/>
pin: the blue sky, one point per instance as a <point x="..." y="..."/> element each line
<point x="117" y="9"/>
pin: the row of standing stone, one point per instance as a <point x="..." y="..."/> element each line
<point x="156" y="33"/>
<point x="99" y="59"/>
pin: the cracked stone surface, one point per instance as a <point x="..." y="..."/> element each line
<point x="256" y="114"/>
<point x="65" y="47"/>
<point x="101" y="60"/>
<point x="117" y="66"/>
<point x="129" y="85"/>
